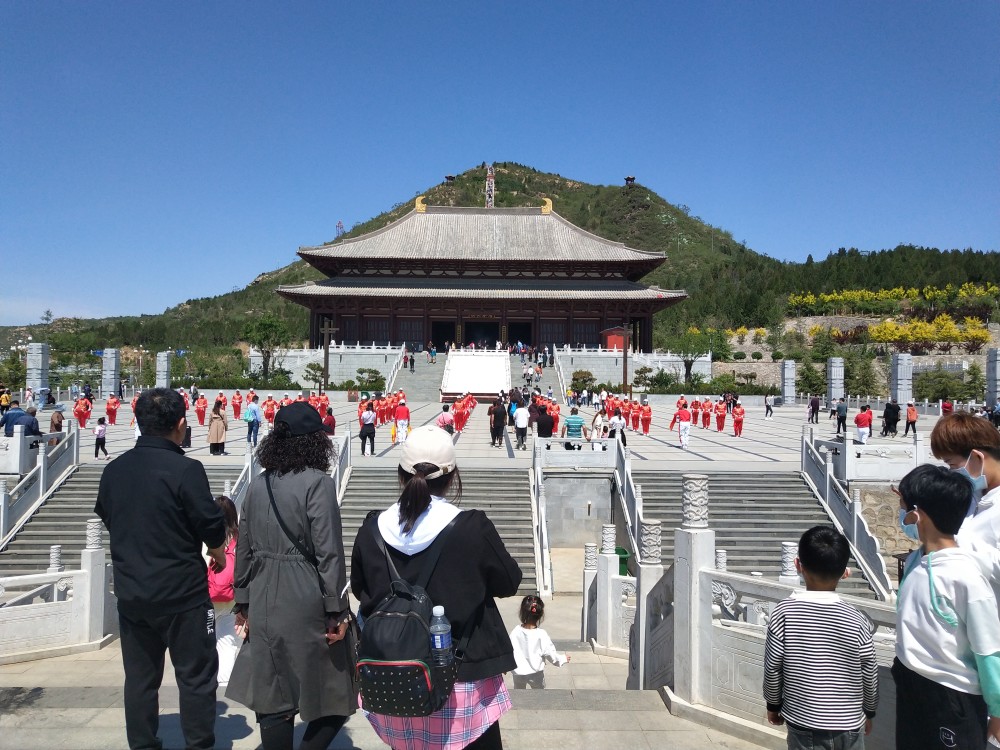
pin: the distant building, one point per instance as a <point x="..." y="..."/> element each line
<point x="481" y="274"/>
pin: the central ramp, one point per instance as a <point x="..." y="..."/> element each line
<point x="482" y="373"/>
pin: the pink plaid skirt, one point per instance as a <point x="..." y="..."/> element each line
<point x="471" y="709"/>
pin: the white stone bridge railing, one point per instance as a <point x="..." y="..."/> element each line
<point x="819" y="473"/>
<point x="52" y="465"/>
<point x="59" y="611"/>
<point x="695" y="632"/>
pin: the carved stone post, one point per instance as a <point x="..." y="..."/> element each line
<point x="163" y="360"/>
<point x="694" y="501"/>
<point x="37" y="372"/>
<point x="901" y="378"/>
<point x="55" y="559"/>
<point x="110" y="372"/>
<point x="588" y="626"/>
<point x="649" y="571"/>
<point x="43" y="467"/>
<point x="94" y="593"/>
<point x="788" y="573"/>
<point x="721" y="559"/>
<point x="227" y="488"/>
<point x="694" y="551"/>
<point x="607" y="566"/>
<point x="788" y="382"/>
<point x="834" y="379"/>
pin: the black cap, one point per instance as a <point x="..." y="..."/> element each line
<point x="300" y="417"/>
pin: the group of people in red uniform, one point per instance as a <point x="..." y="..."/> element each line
<point x="461" y="410"/>
<point x="637" y="416"/>
<point x="706" y="409"/>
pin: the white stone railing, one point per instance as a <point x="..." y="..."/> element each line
<point x="540" y="521"/>
<point x="53" y="465"/>
<point x="397" y="365"/>
<point x="60" y="611"/>
<point x="873" y="462"/>
<point x="695" y="632"/>
<point x="877" y="403"/>
<point x="845" y="512"/>
<point x="341" y="469"/>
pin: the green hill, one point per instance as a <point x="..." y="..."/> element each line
<point x="729" y="284"/>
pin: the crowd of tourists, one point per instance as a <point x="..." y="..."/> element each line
<point x="268" y="616"/>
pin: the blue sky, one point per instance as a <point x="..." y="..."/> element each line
<point x="156" y="152"/>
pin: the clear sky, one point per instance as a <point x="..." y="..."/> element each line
<point x="153" y="152"/>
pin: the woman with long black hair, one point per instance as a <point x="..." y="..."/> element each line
<point x="291" y="589"/>
<point x="473" y="569"/>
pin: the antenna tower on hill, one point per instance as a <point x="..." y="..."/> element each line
<point x="489" y="186"/>
<point x="340" y="228"/>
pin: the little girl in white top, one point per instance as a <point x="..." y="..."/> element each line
<point x="532" y="646"/>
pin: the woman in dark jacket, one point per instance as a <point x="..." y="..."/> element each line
<point x="473" y="569"/>
<point x="290" y="589"/>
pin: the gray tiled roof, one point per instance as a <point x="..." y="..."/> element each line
<point x="481" y="234"/>
<point x="410" y="288"/>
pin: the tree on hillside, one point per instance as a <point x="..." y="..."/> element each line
<point x="810" y="379"/>
<point x="266" y="334"/>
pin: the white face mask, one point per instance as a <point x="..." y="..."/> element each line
<point x="978" y="483"/>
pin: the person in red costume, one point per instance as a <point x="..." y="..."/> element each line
<point x="314" y="401"/>
<point x="270" y="408"/>
<point x="706" y="413"/>
<point x="285" y="401"/>
<point x="554" y="413"/>
<point x="237" y="403"/>
<point x="738" y="413"/>
<point x="300" y="397"/>
<point x="682" y="402"/>
<point x="636" y="415"/>
<point x="646" y="417"/>
<point x="201" y="408"/>
<point x="81" y="410"/>
<point x="720" y="416"/>
<point x="222" y="397"/>
<point x="111" y="408"/>
<point x="187" y="400"/>
<point x="682" y="419"/>
<point x="324" y="404"/>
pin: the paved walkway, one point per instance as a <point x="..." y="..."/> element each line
<point x="76" y="701"/>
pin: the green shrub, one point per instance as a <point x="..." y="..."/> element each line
<point x="739" y="355"/>
<point x="777" y="355"/>
<point x="757" y="356"/>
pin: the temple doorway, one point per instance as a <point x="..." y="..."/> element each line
<point x="441" y="331"/>
<point x="484" y="333"/>
<point x="519" y="332"/>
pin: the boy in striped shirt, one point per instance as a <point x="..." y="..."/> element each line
<point x="820" y="673"/>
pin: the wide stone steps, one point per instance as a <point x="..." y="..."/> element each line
<point x="750" y="513"/>
<point x="503" y="495"/>
<point x="63" y="520"/>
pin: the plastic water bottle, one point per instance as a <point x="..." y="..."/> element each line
<point x="441" y="653"/>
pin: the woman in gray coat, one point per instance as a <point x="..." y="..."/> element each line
<point x="290" y="589"/>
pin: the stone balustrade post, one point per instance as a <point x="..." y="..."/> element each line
<point x="856" y="510"/>
<point x="55" y="559"/>
<point x="694" y="550"/>
<point x="93" y="561"/>
<point x="43" y="467"/>
<point x="4" y="508"/>
<point x="588" y="626"/>
<point x="721" y="560"/>
<point x="607" y="566"/>
<point x="789" y="574"/>
<point x="649" y="571"/>
<point x="227" y="488"/>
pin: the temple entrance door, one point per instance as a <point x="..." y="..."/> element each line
<point x="441" y="331"/>
<point x="484" y="333"/>
<point x="519" y="332"/>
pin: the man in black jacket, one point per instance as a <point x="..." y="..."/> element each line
<point x="158" y="508"/>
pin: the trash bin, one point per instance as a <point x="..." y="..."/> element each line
<point x="623" y="556"/>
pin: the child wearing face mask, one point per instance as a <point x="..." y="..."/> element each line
<point x="947" y="665"/>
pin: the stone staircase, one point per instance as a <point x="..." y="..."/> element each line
<point x="503" y="495"/>
<point x="751" y="514"/>
<point x="63" y="520"/>
<point x="424" y="383"/>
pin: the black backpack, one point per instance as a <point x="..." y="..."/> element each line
<point x="395" y="669"/>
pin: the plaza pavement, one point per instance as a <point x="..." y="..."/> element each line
<point x="76" y="701"/>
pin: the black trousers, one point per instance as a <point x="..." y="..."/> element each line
<point x="931" y="715"/>
<point x="910" y="424"/>
<point x="496" y="433"/>
<point x="190" y="636"/>
<point x="841" y="424"/>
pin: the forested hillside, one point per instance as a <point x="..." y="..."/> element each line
<point x="729" y="284"/>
